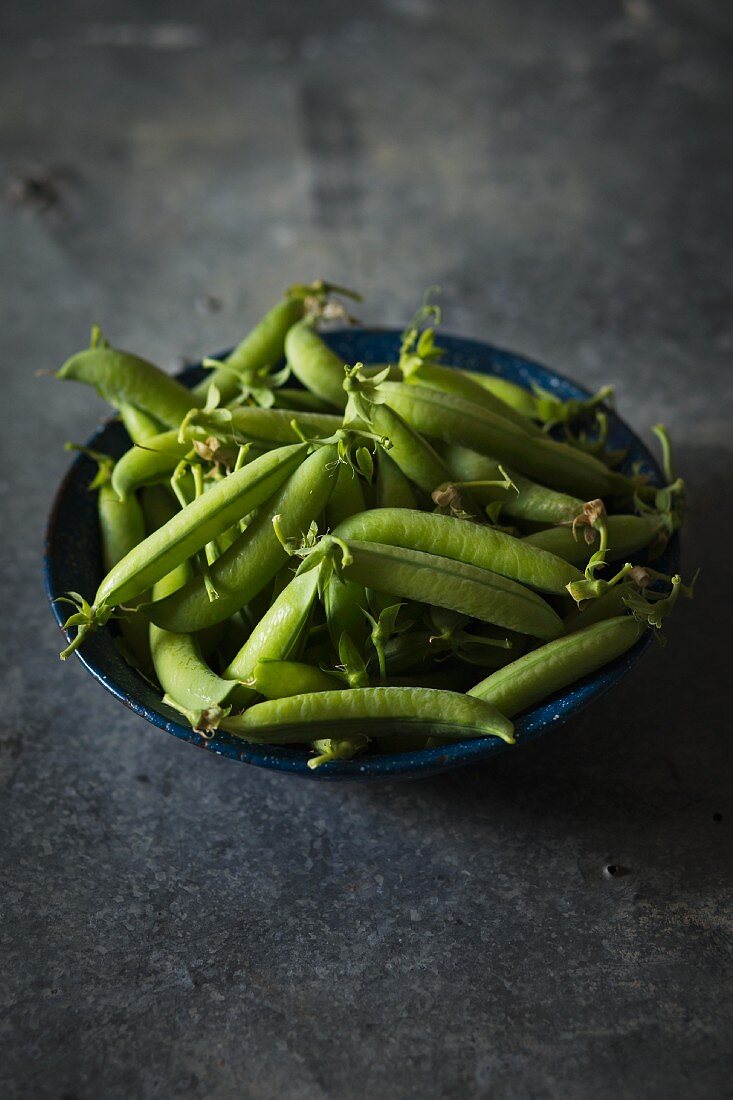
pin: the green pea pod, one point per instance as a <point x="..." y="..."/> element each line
<point x="255" y="557"/>
<point x="280" y="679"/>
<point x="540" y="405"/>
<point x="153" y="460"/>
<point x="280" y="629"/>
<point x="343" y="602"/>
<point x="452" y="538"/>
<point x="522" y="400"/>
<point x="529" y="501"/>
<point x="124" y="379"/>
<point x="415" y="457"/>
<point x="547" y="670"/>
<point x="627" y="535"/>
<point x="261" y="426"/>
<point x="347" y="497"/>
<point x="455" y="420"/>
<point x="179" y="665"/>
<point x="368" y="711"/>
<point x="461" y="384"/>
<point x="314" y="364"/>
<point x="263" y="346"/>
<point x="442" y="582"/>
<point x="300" y="401"/>
<point x="139" y="425"/>
<point x="393" y="488"/>
<point x="121" y="528"/>
<point x="185" y="533"/>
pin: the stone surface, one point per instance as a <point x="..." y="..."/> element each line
<point x="175" y="925"/>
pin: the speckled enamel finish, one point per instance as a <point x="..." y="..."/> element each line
<point x="72" y="562"/>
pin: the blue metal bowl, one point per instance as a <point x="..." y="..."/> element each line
<point x="73" y="562"/>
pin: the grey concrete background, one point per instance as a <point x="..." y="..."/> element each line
<point x="177" y="926"/>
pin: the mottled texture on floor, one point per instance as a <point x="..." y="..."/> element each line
<point x="176" y="925"/>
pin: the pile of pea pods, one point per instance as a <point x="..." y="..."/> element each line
<point x="361" y="557"/>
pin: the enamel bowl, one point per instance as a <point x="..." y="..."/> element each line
<point x="73" y="562"/>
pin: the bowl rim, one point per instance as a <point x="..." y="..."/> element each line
<point x="412" y="764"/>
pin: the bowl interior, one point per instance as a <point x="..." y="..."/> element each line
<point x="73" y="562"/>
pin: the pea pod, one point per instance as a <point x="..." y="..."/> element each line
<point x="415" y="457"/>
<point x="452" y="538"/>
<point x="300" y="401"/>
<point x="260" y="426"/>
<point x="124" y="379"/>
<point x="278" y="632"/>
<point x="186" y="533"/>
<point x="627" y="535"/>
<point x="263" y="346"/>
<point x="255" y="557"/>
<point x="455" y="420"/>
<point x="461" y="384"/>
<point x="370" y="710"/>
<point x="312" y="362"/>
<point x="344" y="601"/>
<point x="347" y="497"/>
<point x="393" y="488"/>
<point x="157" y="457"/>
<point x="537" y="404"/>
<point x="121" y="528"/>
<point x="280" y="679"/>
<point x="532" y="502"/>
<point x="442" y="582"/>
<point x="179" y="665"/>
<point x="139" y="425"/>
<point x="547" y="670"/>
<point x="149" y="462"/>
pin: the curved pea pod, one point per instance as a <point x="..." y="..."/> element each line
<point x="484" y="547"/>
<point x="184" y="534"/>
<point x="415" y="457"/>
<point x="369" y="711"/>
<point x="250" y="423"/>
<point x="139" y="425"/>
<point x="279" y="630"/>
<point x="147" y="463"/>
<point x="455" y="420"/>
<point x="347" y="497"/>
<point x="263" y="346"/>
<point x="461" y="384"/>
<point x="255" y="557"/>
<point x="393" y="488"/>
<point x="627" y="535"/>
<point x="121" y="528"/>
<point x="280" y="679"/>
<point x="442" y="582"/>
<point x="300" y="401"/>
<point x="520" y="399"/>
<point x="179" y="665"/>
<point x="533" y="503"/>
<point x="343" y="602"/>
<point x="552" y="667"/>
<point x="314" y="364"/>
<point x="124" y="379"/>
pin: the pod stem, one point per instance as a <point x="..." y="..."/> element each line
<point x="318" y="301"/>
<point x="653" y="611"/>
<point x="86" y="619"/>
<point x="329" y="749"/>
<point x="105" y="464"/>
<point x="204" y="722"/>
